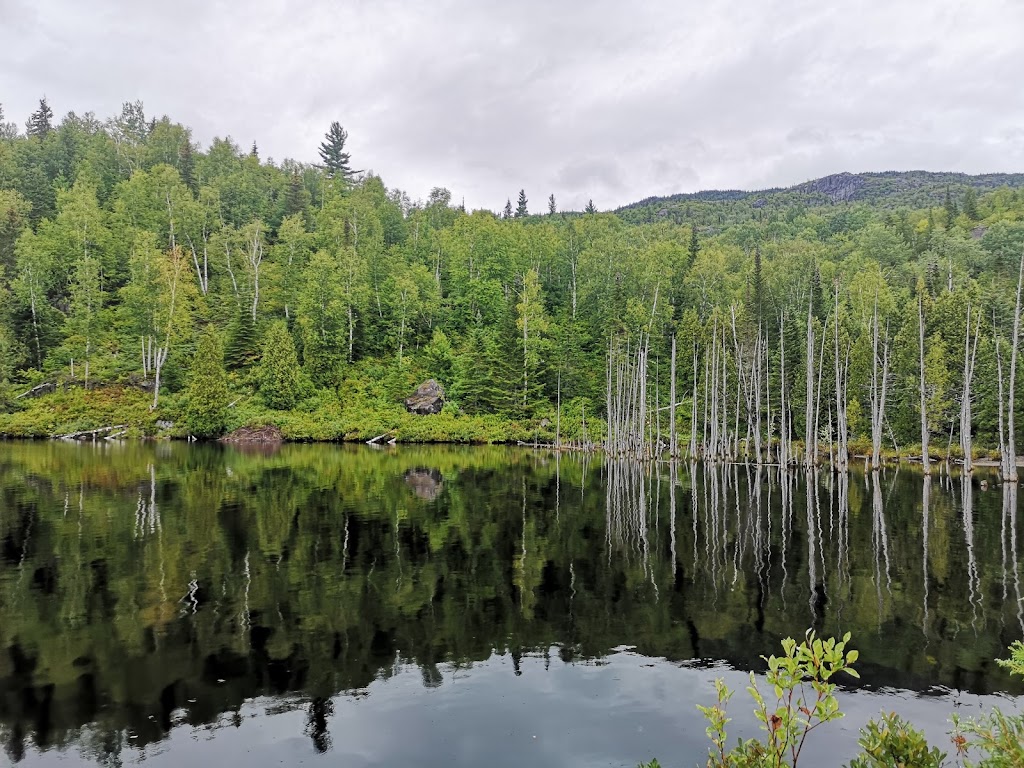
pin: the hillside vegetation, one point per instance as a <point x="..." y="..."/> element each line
<point x="182" y="289"/>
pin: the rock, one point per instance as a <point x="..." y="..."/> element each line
<point x="428" y="399"/>
<point x="162" y="424"/>
<point x="39" y="390"/>
<point x="425" y="483"/>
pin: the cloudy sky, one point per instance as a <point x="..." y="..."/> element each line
<point x="583" y="99"/>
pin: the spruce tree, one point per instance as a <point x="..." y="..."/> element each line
<point x="241" y="349"/>
<point x="332" y="152"/>
<point x="278" y="372"/>
<point x="590" y="207"/>
<point x="521" y="205"/>
<point x="507" y="214"/>
<point x="187" y="167"/>
<point x="970" y="203"/>
<point x="552" y="210"/>
<point x="695" y="245"/>
<point x="206" y="410"/>
<point x="41" y="121"/>
<point x="950" y="209"/>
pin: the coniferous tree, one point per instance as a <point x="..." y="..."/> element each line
<point x="695" y="245"/>
<point x="41" y="121"/>
<point x="590" y="207"/>
<point x="254" y="152"/>
<point x="970" y="204"/>
<point x="206" y="410"/>
<point x="507" y="214"/>
<point x="7" y="130"/>
<point x="187" y="167"/>
<point x="950" y="209"/>
<point x="521" y="205"/>
<point x="278" y="372"/>
<point x="337" y="162"/>
<point x="552" y="210"/>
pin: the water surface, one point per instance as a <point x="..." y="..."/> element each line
<point x="433" y="606"/>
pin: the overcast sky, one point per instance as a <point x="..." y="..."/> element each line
<point x="587" y="99"/>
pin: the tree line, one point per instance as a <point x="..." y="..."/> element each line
<point x="210" y="276"/>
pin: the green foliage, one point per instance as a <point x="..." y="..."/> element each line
<point x="895" y="743"/>
<point x="278" y="373"/>
<point x="1015" y="664"/>
<point x="205" y="411"/>
<point x="804" y="698"/>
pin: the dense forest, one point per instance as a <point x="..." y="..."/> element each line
<point x="148" y="282"/>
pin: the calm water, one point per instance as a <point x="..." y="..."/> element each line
<point x="462" y="607"/>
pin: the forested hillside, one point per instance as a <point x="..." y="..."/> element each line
<point x="147" y="280"/>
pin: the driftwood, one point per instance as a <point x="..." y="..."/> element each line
<point x="93" y="433"/>
<point x="39" y="389"/>
<point x="378" y="438"/>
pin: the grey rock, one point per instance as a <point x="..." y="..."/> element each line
<point x="427" y="399"/>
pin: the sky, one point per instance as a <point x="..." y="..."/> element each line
<point x="583" y="99"/>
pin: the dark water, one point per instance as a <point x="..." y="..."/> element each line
<point x="177" y="604"/>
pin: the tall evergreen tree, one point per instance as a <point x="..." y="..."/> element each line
<point x="695" y="245"/>
<point x="590" y="207"/>
<point x="552" y="209"/>
<point x="40" y="122"/>
<point x="7" y="130"/>
<point x="521" y="205"/>
<point x="970" y="204"/>
<point x="278" y="372"/>
<point x="206" y="410"/>
<point x="337" y="162"/>
<point x="187" y="167"/>
<point x="950" y="209"/>
<point x="507" y="214"/>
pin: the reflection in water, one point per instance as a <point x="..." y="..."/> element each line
<point x="143" y="586"/>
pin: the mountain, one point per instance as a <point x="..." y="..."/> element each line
<point x="888" y="189"/>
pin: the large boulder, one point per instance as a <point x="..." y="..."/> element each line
<point x="427" y="399"/>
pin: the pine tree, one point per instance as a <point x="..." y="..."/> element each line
<point x="507" y="214"/>
<point x="241" y="349"/>
<point x="695" y="245"/>
<point x="950" y="209"/>
<point x="521" y="205"/>
<point x="254" y="152"/>
<point x="758" y="298"/>
<point x="7" y="130"/>
<point x="187" y="167"/>
<point x="552" y="210"/>
<point x="206" y="410"/>
<point x="590" y="207"/>
<point x="41" y="121"/>
<point x="278" y="372"/>
<point x="332" y="152"/>
<point x="970" y="203"/>
<point x="297" y="198"/>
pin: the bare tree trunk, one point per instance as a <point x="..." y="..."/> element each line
<point x="1011" y="444"/>
<point x="970" y="355"/>
<point x="783" y="422"/>
<point x="809" y="436"/>
<point x="925" y="465"/>
<point x="673" y="448"/>
<point x="878" y="390"/>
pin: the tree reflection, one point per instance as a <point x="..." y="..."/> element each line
<point x="148" y="585"/>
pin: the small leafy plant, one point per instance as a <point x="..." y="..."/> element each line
<point x="800" y="682"/>
<point x="895" y="743"/>
<point x="998" y="736"/>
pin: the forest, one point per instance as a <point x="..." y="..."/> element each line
<point x="168" y="289"/>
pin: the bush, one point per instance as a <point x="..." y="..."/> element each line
<point x="894" y="743"/>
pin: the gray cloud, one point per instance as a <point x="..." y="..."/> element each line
<point x="595" y="99"/>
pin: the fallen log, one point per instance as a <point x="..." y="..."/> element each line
<point x="39" y="389"/>
<point x="85" y="433"/>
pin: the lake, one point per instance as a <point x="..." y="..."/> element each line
<point x="439" y="606"/>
